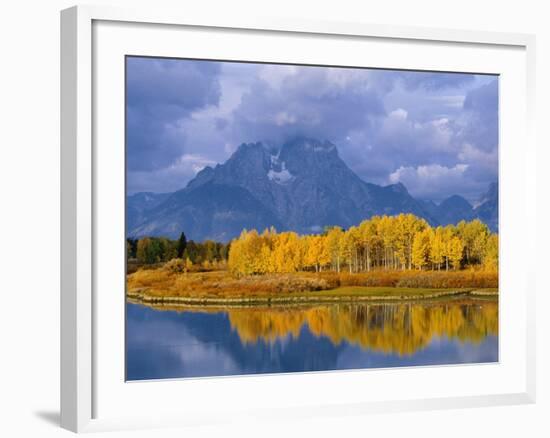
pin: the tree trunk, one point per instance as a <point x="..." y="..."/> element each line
<point x="368" y="260"/>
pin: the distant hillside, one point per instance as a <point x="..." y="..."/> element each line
<point x="138" y="204"/>
<point x="487" y="207"/>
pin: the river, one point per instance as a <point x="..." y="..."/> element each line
<point x="173" y="343"/>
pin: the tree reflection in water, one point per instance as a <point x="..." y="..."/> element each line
<point x="400" y="329"/>
<point x="389" y="328"/>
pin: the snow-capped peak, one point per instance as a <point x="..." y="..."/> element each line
<point x="282" y="175"/>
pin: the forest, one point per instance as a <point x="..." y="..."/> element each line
<point x="385" y="255"/>
<point x="401" y="242"/>
<point x="154" y="250"/>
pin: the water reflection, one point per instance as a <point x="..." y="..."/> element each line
<point x="390" y="328"/>
<point x="165" y="342"/>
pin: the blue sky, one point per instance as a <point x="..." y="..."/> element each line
<point x="437" y="133"/>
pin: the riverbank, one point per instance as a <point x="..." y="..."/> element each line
<point x="219" y="287"/>
<point x="164" y="281"/>
<point x="340" y="295"/>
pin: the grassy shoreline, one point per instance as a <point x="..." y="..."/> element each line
<point x="341" y="295"/>
<point x="220" y="287"/>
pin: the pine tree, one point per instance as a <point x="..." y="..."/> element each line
<point x="182" y="244"/>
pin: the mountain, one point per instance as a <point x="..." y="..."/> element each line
<point x="302" y="186"/>
<point x="452" y="210"/>
<point x="455" y="208"/>
<point x="209" y="211"/>
<point x="430" y="207"/>
<point x="487" y="207"/>
<point x="139" y="203"/>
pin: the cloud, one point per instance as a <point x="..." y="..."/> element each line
<point x="306" y="101"/>
<point x="387" y="80"/>
<point x="478" y="124"/>
<point x="419" y="127"/>
<point x="398" y="140"/>
<point x="175" y="175"/>
<point x="434" y="81"/>
<point x="399" y="114"/>
<point x="160" y="94"/>
<point x="436" y="182"/>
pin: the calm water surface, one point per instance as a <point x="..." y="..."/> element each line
<point x="169" y="343"/>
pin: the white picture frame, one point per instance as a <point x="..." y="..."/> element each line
<point x="87" y="355"/>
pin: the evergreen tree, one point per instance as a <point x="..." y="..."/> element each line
<point x="182" y="244"/>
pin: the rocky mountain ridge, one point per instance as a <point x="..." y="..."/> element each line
<point x="302" y="186"/>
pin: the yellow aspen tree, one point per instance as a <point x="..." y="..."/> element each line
<point x="287" y="252"/>
<point x="400" y="244"/>
<point x="456" y="249"/>
<point x="370" y="239"/>
<point x="349" y="246"/>
<point x="385" y="231"/>
<point x="413" y="226"/>
<point x="234" y="259"/>
<point x="278" y="253"/>
<point x="437" y="248"/>
<point x="480" y="235"/>
<point x="421" y="248"/>
<point x="323" y="251"/>
<point x="244" y="254"/>
<point x="315" y="255"/>
<point x="253" y="247"/>
<point x="474" y="235"/>
<point x="490" y="256"/>
<point x="309" y="252"/>
<point x="265" y="264"/>
<point x="334" y="240"/>
<point x="447" y="238"/>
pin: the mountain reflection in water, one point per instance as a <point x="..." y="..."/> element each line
<point x="170" y="343"/>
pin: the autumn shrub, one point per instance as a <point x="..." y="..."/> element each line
<point x="445" y="280"/>
<point x="173" y="280"/>
<point x="415" y="279"/>
<point x="219" y="283"/>
<point x="281" y="283"/>
<point x="370" y="279"/>
<point x="175" y="266"/>
<point x="157" y="278"/>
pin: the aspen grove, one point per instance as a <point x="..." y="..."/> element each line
<point x="402" y="242"/>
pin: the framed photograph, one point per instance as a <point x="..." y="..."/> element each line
<point x="251" y="209"/>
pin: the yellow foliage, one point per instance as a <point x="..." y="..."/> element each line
<point x="389" y="242"/>
<point x="490" y="255"/>
<point x="395" y="328"/>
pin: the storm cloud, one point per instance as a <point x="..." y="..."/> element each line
<point x="435" y="132"/>
<point x="160" y="93"/>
